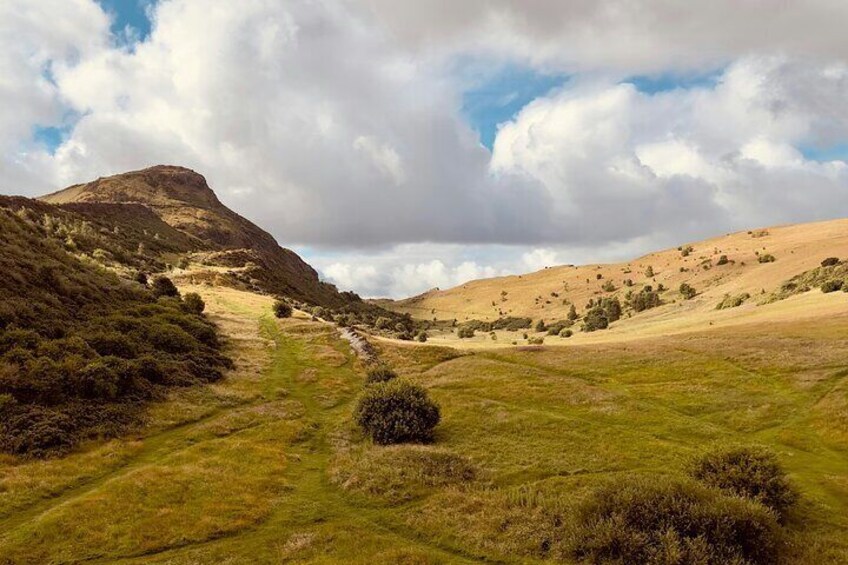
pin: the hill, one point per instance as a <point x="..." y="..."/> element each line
<point x="748" y="273"/>
<point x="211" y="234"/>
<point x="82" y="350"/>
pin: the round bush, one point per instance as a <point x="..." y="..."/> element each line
<point x="282" y="309"/>
<point x="748" y="472"/>
<point x="645" y="520"/>
<point x="163" y="286"/>
<point x="397" y="412"/>
<point x="193" y="303"/>
<point x="380" y="374"/>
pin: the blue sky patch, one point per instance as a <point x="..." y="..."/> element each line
<point x="130" y="20"/>
<point x="664" y="82"/>
<point x="835" y="152"/>
<point x="499" y="97"/>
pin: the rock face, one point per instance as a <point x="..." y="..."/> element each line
<point x="182" y="199"/>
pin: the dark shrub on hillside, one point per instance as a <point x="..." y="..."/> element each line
<point x="422" y="337"/>
<point x="193" y="303"/>
<point x="748" y="472"/>
<point x="464" y="332"/>
<point x="397" y="412"/>
<point x="540" y="326"/>
<point x="141" y="278"/>
<point x="381" y="374"/>
<point x="668" y="521"/>
<point x="282" y="309"/>
<point x="830" y="262"/>
<point x="511" y="324"/>
<point x="766" y="258"/>
<point x="572" y="313"/>
<point x="832" y="286"/>
<point x="645" y="299"/>
<point x="163" y="286"/>
<point x="723" y="260"/>
<point x="35" y="430"/>
<point x="687" y="291"/>
<point x="595" y="319"/>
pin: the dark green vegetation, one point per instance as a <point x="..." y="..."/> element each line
<point x="645" y="299"/>
<point x="753" y="473"/>
<point x="642" y="520"/>
<point x="397" y="411"/>
<point x="687" y="291"/>
<point x="730" y="301"/>
<point x="82" y="350"/>
<point x="282" y="309"/>
<point x="380" y="374"/>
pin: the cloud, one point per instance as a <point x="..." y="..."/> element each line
<point x="617" y="35"/>
<point x="338" y="124"/>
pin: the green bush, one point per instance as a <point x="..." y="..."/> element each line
<point x="832" y="285"/>
<point x="540" y="326"/>
<point x="422" y="337"/>
<point x="645" y="299"/>
<point x="595" y="319"/>
<point x="766" y="258"/>
<point x="397" y="412"/>
<point x="163" y="286"/>
<point x="748" y="472"/>
<point x="381" y="374"/>
<point x="645" y="520"/>
<point x="193" y="303"/>
<point x="687" y="291"/>
<point x="572" y="313"/>
<point x="723" y="260"/>
<point x="282" y="309"/>
<point x="566" y="333"/>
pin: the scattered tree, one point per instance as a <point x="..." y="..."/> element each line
<point x="397" y="412"/>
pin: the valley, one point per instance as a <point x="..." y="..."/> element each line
<point x="267" y="467"/>
<point x="265" y="463"/>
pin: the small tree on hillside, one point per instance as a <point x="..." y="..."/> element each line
<point x="163" y="286"/>
<point x="282" y="309"/>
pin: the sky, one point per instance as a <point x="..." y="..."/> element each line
<point x="404" y="145"/>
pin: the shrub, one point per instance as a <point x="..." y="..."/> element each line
<point x="608" y="287"/>
<point x="644" y="299"/>
<point x="381" y="374"/>
<point x="766" y="258"/>
<point x="687" y="291"/>
<point x="465" y="332"/>
<point x="648" y="521"/>
<point x="397" y="412"/>
<point x="830" y="262"/>
<point x="383" y="323"/>
<point x="572" y="313"/>
<point x="723" y="260"/>
<point x="193" y="303"/>
<point x="536" y="341"/>
<point x="163" y="286"/>
<point x="649" y="272"/>
<point x="422" y="337"/>
<point x="732" y="301"/>
<point x="566" y="333"/>
<point x="540" y="326"/>
<point x="832" y="285"/>
<point x="141" y="278"/>
<point x="282" y="309"/>
<point x="595" y="319"/>
<point x="748" y="472"/>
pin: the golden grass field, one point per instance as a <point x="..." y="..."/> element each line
<point x="547" y="294"/>
<point x="267" y="467"/>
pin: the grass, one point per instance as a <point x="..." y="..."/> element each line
<point x="266" y="467"/>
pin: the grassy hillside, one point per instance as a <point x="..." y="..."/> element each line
<point x="736" y="268"/>
<point x="82" y="350"/>
<point x="266" y="466"/>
